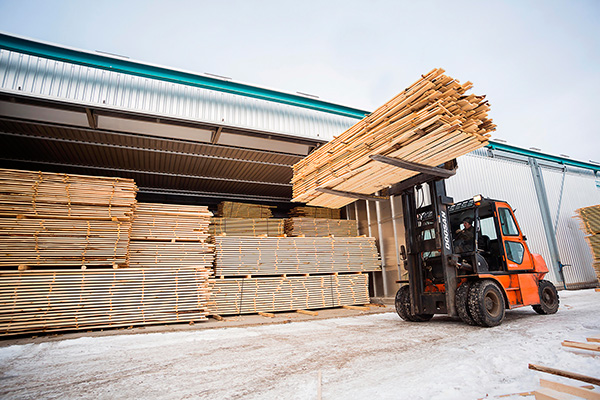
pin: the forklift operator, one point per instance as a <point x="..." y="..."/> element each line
<point x="465" y="238"/>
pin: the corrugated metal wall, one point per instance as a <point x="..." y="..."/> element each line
<point x="40" y="77"/>
<point x="569" y="189"/>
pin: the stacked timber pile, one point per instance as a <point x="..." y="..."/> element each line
<point x="59" y="300"/>
<point x="299" y="255"/>
<point x="229" y="209"/>
<point x="590" y="221"/>
<point x="431" y="122"/>
<point x="170" y="235"/>
<point x="265" y="294"/>
<point x="246" y="226"/>
<point x="50" y="220"/>
<point x="312" y="272"/>
<point x="315" y="212"/>
<point x="320" y="227"/>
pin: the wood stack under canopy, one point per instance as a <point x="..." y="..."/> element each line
<point x="315" y="212"/>
<point x="50" y="220"/>
<point x="294" y="255"/>
<point x="170" y="235"/>
<point x="59" y="300"/>
<point x="590" y="221"/>
<point x="321" y="227"/>
<point x="431" y="122"/>
<point x="229" y="209"/>
<point x="246" y="226"/>
<point x="283" y="293"/>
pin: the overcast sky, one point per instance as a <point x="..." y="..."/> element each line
<point x="537" y="61"/>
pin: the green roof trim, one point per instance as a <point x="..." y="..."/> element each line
<point x="542" y="156"/>
<point x="89" y="59"/>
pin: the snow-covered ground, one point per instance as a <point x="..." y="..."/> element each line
<point x="367" y="357"/>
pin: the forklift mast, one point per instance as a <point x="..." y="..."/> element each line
<point x="427" y="230"/>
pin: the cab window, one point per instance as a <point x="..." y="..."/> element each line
<point x="507" y="222"/>
<point x="514" y="251"/>
<point x="488" y="228"/>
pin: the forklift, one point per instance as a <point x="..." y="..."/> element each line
<point x="468" y="259"/>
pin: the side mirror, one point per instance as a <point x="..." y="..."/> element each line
<point x="524" y="237"/>
<point x="403" y="253"/>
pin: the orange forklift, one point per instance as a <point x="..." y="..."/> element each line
<point x="468" y="259"/>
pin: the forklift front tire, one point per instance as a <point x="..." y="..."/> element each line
<point x="462" y="303"/>
<point x="548" y="298"/>
<point x="403" y="307"/>
<point x="486" y="303"/>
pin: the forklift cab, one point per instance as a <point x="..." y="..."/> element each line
<point x="495" y="244"/>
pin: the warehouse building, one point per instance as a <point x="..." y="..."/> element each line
<point x="193" y="138"/>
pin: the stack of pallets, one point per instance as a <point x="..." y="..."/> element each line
<point x="431" y="122"/>
<point x="246" y="227"/>
<point x="279" y="274"/>
<point x="52" y="220"/>
<point x="590" y="222"/>
<point x="169" y="235"/>
<point x="229" y="209"/>
<point x="320" y="227"/>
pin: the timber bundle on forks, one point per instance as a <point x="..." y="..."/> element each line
<point x="430" y="123"/>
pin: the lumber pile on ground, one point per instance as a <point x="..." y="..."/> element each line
<point x="315" y="212"/>
<point x="431" y="122"/>
<point x="297" y="255"/>
<point x="246" y="226"/>
<point x="170" y="235"/>
<point x="59" y="300"/>
<point x="50" y="220"/>
<point x="230" y="209"/>
<point x="267" y="294"/>
<point x="590" y="222"/>
<point x="321" y="227"/>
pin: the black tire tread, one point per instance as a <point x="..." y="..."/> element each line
<point x="403" y="308"/>
<point x="476" y="302"/>
<point x="544" y="308"/>
<point x="462" y="303"/>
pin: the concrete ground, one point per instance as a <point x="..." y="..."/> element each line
<point x="371" y="355"/>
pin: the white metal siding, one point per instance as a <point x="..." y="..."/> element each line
<point x="62" y="81"/>
<point x="579" y="190"/>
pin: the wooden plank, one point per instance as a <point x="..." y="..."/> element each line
<point x="360" y="308"/>
<point x="594" y="339"/>
<point x="266" y="314"/>
<point x="566" y="374"/>
<point x="572" y="390"/>
<point x="321" y="227"/>
<point x="308" y="312"/>
<point x="583" y="346"/>
<point x="549" y="394"/>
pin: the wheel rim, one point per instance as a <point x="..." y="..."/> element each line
<point x="492" y="304"/>
<point x="547" y="296"/>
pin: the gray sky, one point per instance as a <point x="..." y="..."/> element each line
<point x="537" y="61"/>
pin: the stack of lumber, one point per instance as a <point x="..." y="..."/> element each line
<point x="265" y="294"/>
<point x="246" y="226"/>
<point x="229" y="209"/>
<point x="590" y="221"/>
<point x="320" y="227"/>
<point x="293" y="255"/>
<point x="167" y="222"/>
<point x="50" y="220"/>
<point x="315" y="212"/>
<point x="170" y="235"/>
<point x="47" y="301"/>
<point x="431" y="122"/>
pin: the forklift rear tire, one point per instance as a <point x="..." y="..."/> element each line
<point x="462" y="303"/>
<point x="403" y="307"/>
<point x="548" y="298"/>
<point x="486" y="303"/>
